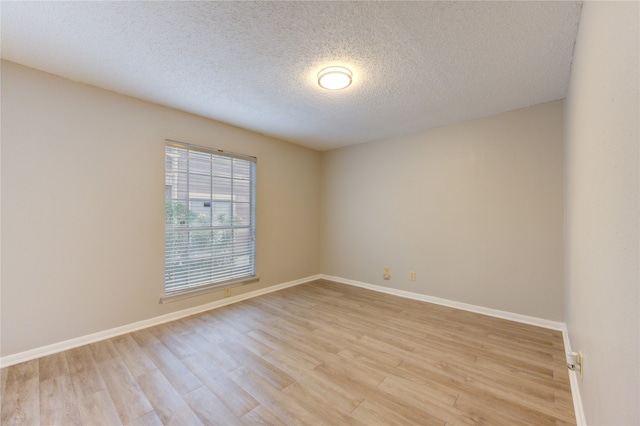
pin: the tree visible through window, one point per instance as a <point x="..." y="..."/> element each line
<point x="209" y="218"/>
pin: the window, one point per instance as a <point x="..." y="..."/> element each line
<point x="210" y="219"/>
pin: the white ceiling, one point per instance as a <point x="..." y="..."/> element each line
<point x="416" y="65"/>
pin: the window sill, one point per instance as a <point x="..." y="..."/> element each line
<point x="205" y="290"/>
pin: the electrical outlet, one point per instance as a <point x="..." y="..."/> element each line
<point x="575" y="362"/>
<point x="387" y="274"/>
<point x="227" y="292"/>
<point x="412" y="275"/>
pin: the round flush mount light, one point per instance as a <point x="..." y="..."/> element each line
<point x="334" y="78"/>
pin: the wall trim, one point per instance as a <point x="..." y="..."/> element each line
<point x="553" y="325"/>
<point x="13" y="359"/>
<point x="575" y="388"/>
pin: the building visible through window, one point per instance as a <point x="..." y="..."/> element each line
<point x="209" y="218"/>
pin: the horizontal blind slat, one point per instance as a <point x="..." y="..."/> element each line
<point x="206" y="242"/>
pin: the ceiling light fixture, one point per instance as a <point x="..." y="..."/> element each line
<point x="334" y="78"/>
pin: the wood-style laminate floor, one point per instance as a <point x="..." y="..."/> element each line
<point x="316" y="354"/>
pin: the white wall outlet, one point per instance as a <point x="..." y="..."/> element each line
<point x="412" y="275"/>
<point x="227" y="292"/>
<point x="575" y="362"/>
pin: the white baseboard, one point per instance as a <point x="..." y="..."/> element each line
<point x="554" y="325"/>
<point x="575" y="388"/>
<point x="8" y="360"/>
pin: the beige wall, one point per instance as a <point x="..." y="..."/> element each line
<point x="603" y="210"/>
<point x="83" y="203"/>
<point x="475" y="209"/>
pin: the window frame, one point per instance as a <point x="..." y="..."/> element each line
<point x="183" y="234"/>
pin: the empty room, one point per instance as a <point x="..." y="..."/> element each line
<point x="320" y="213"/>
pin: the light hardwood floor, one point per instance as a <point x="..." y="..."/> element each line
<point x="321" y="353"/>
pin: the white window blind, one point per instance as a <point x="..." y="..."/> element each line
<point x="210" y="220"/>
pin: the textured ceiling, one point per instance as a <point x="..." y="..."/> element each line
<point x="416" y="65"/>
